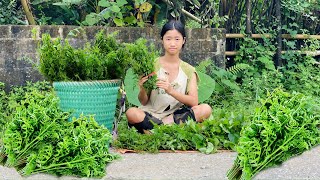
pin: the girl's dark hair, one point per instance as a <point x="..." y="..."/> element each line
<point x="171" y="25"/>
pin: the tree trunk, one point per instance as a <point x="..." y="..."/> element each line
<point x="28" y="12"/>
<point x="278" y="60"/>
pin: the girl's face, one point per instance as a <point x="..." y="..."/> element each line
<point x="172" y="42"/>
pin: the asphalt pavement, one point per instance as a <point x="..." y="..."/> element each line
<point x="188" y="166"/>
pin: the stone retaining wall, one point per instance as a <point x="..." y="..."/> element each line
<point x="18" y="43"/>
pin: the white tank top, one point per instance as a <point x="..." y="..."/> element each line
<point x="160" y="103"/>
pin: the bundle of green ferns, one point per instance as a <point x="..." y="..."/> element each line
<point x="39" y="138"/>
<point x="286" y="125"/>
<point x="142" y="61"/>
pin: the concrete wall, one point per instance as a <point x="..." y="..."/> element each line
<point x="18" y="43"/>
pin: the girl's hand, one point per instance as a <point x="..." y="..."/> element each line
<point x="164" y="84"/>
<point x="143" y="96"/>
<point x="142" y="81"/>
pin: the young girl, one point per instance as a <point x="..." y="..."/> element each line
<point x="176" y="98"/>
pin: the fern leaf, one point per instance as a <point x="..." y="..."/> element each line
<point x="235" y="69"/>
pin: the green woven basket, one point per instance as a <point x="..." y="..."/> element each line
<point x="90" y="97"/>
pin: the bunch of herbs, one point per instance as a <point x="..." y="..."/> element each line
<point x="12" y="100"/>
<point x="285" y="125"/>
<point x="35" y="119"/>
<point x="103" y="59"/>
<point x="143" y="59"/>
<point x="39" y="137"/>
<point x="82" y="149"/>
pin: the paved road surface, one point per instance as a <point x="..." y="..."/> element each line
<point x="189" y="166"/>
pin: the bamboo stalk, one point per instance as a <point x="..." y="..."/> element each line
<point x="191" y="16"/>
<point x="28" y="12"/>
<point x="185" y="12"/>
<point x="231" y="53"/>
<point x="285" y="36"/>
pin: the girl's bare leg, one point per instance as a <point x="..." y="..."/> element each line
<point x="135" y="115"/>
<point x="202" y="112"/>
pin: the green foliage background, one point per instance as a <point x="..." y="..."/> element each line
<point x="11" y="13"/>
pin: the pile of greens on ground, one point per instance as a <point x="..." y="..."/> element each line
<point x="219" y="132"/>
<point x="286" y="125"/>
<point x="38" y="137"/>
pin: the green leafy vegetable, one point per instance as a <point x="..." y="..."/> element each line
<point x="285" y="125"/>
<point x="101" y="60"/>
<point x="206" y="87"/>
<point x="221" y="131"/>
<point x="131" y="87"/>
<point x="36" y="119"/>
<point x="143" y="58"/>
<point x="82" y="150"/>
<point x="39" y="138"/>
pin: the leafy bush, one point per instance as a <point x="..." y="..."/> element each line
<point x="301" y="71"/>
<point x="53" y="12"/>
<point x="11" y="12"/>
<point x="225" y="82"/>
<point x="3" y="102"/>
